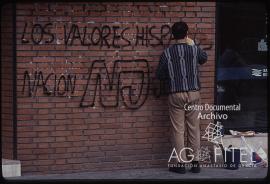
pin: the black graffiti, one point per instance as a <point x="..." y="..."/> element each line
<point x="101" y="36"/>
<point x="38" y="32"/>
<point x="145" y="35"/>
<point x="39" y="81"/>
<point x="109" y="36"/>
<point x="114" y="79"/>
<point x="66" y="84"/>
<point x="104" y="36"/>
<point x="160" y="88"/>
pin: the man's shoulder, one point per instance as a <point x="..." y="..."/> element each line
<point x="170" y="47"/>
<point x="181" y="46"/>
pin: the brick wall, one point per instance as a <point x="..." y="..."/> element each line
<point x="87" y="96"/>
<point x="6" y="81"/>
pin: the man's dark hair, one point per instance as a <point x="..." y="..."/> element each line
<point x="179" y="30"/>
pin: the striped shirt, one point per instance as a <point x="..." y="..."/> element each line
<point x="179" y="65"/>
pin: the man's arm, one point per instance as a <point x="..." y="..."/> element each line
<point x="162" y="69"/>
<point x="202" y="56"/>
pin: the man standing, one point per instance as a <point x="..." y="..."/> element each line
<point x="179" y="66"/>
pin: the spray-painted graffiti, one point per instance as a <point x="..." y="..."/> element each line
<point x="129" y="102"/>
<point x="38" y="31"/>
<point x="108" y="88"/>
<point x="39" y="80"/>
<point x="119" y="90"/>
<point x="107" y="36"/>
<point x="104" y="36"/>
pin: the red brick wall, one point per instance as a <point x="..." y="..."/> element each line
<point x="6" y="81"/>
<point x="63" y="126"/>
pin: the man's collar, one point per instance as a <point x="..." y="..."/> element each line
<point x="181" y="41"/>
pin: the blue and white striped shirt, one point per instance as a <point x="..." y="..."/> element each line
<point x="179" y="65"/>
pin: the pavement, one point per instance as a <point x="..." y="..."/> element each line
<point x="155" y="173"/>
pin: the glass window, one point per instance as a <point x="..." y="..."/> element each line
<point x="242" y="64"/>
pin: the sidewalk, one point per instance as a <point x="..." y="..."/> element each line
<point x="155" y="173"/>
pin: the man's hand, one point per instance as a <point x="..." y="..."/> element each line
<point x="189" y="41"/>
